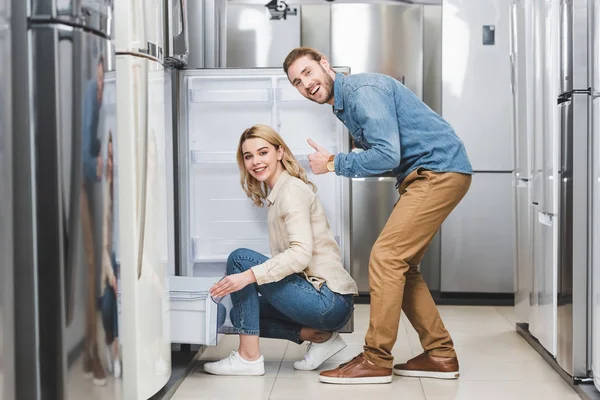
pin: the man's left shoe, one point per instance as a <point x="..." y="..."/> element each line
<point x="423" y="366"/>
<point x="359" y="370"/>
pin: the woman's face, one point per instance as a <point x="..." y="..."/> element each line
<point x="261" y="160"/>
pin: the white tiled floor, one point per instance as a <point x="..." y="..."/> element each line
<point x="496" y="363"/>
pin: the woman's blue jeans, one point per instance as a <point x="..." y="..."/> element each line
<point x="284" y="307"/>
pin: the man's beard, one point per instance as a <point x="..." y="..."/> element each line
<point x="327" y="86"/>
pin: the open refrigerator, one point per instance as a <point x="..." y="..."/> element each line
<point x="216" y="106"/>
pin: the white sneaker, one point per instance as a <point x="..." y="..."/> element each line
<point x="117" y="368"/>
<point x="109" y="358"/>
<point x="236" y="365"/>
<point x="318" y="353"/>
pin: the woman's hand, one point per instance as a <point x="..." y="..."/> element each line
<point x="232" y="283"/>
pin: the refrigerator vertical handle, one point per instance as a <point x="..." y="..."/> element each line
<point x="180" y="42"/>
<point x="143" y="170"/>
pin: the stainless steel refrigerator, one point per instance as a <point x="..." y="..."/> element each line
<point x="567" y="165"/>
<point x="7" y="384"/>
<point x="61" y="51"/>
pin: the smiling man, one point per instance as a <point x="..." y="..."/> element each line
<point x="399" y="133"/>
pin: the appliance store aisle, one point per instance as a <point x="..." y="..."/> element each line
<point x="495" y="363"/>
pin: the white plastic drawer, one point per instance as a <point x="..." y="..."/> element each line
<point x="195" y="317"/>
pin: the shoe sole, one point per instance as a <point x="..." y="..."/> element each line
<point x="356" y="381"/>
<point x="326" y="358"/>
<point x="100" y="382"/>
<point x="235" y="373"/>
<point x="427" y="374"/>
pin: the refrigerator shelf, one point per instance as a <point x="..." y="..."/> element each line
<point x="231" y="96"/>
<point x="202" y="157"/>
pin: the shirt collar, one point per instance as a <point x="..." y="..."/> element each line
<point x="338" y="95"/>
<point x="280" y="181"/>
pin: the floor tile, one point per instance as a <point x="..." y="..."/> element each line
<point x="491" y="390"/>
<point x="310" y="388"/>
<point x="207" y="387"/>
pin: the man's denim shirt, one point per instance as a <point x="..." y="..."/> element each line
<point x="398" y="132"/>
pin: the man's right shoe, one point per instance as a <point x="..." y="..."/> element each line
<point x="359" y="370"/>
<point x="423" y="366"/>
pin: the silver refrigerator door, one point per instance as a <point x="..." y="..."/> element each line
<point x="468" y="263"/>
<point x="368" y="222"/>
<point x="596" y="196"/>
<point x="61" y="183"/>
<point x="358" y="40"/>
<point x="7" y="360"/>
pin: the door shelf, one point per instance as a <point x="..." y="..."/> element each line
<point x="195" y="317"/>
<point x="202" y="157"/>
<point x="217" y="251"/>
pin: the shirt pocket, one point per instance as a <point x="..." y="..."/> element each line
<point x="358" y="136"/>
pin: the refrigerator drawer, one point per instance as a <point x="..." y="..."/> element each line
<point x="195" y="317"/>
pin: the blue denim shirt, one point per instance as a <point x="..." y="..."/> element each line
<point x="398" y="132"/>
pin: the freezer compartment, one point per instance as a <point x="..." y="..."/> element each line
<point x="478" y="238"/>
<point x="368" y="222"/>
<point x="196" y="318"/>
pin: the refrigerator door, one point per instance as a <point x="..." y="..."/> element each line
<point x="59" y="187"/>
<point x="524" y="276"/>
<point x="357" y="40"/>
<point x="95" y="15"/>
<point x="491" y="198"/>
<point x="472" y="69"/>
<point x="144" y="251"/>
<point x="539" y="125"/>
<point x="545" y="244"/>
<point x="254" y="40"/>
<point x="551" y="133"/>
<point x="519" y="63"/>
<point x="176" y="33"/>
<point x="596" y="194"/>
<point x="368" y="222"/>
<point x="7" y="345"/>
<point x="140" y="28"/>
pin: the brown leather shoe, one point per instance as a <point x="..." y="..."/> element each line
<point x="423" y="366"/>
<point x="359" y="370"/>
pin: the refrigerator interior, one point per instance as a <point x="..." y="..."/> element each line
<point x="217" y="216"/>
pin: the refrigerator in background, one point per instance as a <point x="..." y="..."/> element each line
<point x="207" y="33"/>
<point x="522" y="81"/>
<point x="7" y="356"/>
<point x="218" y="221"/>
<point x="595" y="171"/>
<point x="176" y="34"/>
<point x="61" y="53"/>
<point x="144" y="165"/>
<point x="256" y="40"/>
<point x="477" y="102"/>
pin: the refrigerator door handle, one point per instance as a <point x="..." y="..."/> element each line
<point x="143" y="171"/>
<point x="180" y="42"/>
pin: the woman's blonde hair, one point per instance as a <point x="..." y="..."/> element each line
<point x="256" y="190"/>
